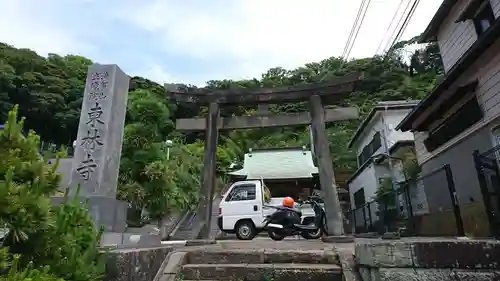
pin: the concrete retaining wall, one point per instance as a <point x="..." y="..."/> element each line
<point x="135" y="264"/>
<point x="444" y="260"/>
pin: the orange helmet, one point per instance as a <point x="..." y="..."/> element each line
<point x="288" y="202"/>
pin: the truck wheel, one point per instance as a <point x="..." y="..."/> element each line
<point x="245" y="230"/>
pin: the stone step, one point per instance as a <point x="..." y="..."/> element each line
<point x="237" y="256"/>
<point x="258" y="272"/>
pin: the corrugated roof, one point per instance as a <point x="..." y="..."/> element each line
<point x="287" y="163"/>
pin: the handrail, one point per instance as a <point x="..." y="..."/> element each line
<point x="178" y="225"/>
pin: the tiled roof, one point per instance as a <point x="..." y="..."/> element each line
<point x="287" y="163"/>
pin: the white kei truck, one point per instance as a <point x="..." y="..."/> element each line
<point x="243" y="209"/>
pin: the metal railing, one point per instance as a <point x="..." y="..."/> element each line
<point x="425" y="206"/>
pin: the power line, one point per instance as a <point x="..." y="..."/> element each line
<point x="389" y="27"/>
<point x="359" y="28"/>
<point x="405" y="24"/>
<point x="353" y="28"/>
<point x="398" y="25"/>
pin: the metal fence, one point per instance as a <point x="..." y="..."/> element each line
<point x="425" y="206"/>
<point x="488" y="173"/>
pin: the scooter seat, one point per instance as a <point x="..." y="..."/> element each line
<point x="305" y="227"/>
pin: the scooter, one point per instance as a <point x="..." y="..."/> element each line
<point x="287" y="222"/>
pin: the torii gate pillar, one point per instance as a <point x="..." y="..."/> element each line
<point x="334" y="219"/>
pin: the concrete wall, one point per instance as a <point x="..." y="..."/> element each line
<point x="466" y="183"/>
<point x="429" y="260"/>
<point x="135" y="264"/>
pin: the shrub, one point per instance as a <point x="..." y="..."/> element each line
<point x="43" y="243"/>
<point x="13" y="272"/>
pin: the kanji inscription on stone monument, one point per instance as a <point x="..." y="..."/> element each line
<point x="100" y="132"/>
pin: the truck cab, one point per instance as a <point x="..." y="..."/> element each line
<point x="242" y="209"/>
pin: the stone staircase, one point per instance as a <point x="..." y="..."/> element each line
<point x="257" y="265"/>
<point x="185" y="230"/>
<point x="189" y="226"/>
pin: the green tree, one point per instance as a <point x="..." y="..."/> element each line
<point x="60" y="239"/>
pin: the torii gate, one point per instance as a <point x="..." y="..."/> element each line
<point x="318" y="94"/>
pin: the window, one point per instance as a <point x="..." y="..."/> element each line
<point x="359" y="198"/>
<point x="465" y="117"/>
<point x="484" y="18"/>
<point x="242" y="193"/>
<point x="370" y="149"/>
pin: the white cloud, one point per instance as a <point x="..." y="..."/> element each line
<point x="259" y="34"/>
<point x="240" y="38"/>
<point x="25" y="24"/>
<point x="156" y="73"/>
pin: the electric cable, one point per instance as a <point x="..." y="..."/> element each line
<point x="353" y="28"/>
<point x="359" y="28"/>
<point x="405" y="24"/>
<point x="389" y="27"/>
<point x="398" y="26"/>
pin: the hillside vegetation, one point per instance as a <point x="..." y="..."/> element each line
<point x="49" y="92"/>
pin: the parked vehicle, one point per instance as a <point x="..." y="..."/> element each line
<point x="287" y="221"/>
<point x="246" y="205"/>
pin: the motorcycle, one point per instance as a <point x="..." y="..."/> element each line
<point x="287" y="222"/>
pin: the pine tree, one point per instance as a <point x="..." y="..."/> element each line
<point x="41" y="241"/>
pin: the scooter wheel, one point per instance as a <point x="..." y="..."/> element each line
<point x="275" y="236"/>
<point x="312" y="235"/>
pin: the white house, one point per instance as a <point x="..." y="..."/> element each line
<point x="377" y="136"/>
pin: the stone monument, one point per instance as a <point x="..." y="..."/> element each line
<point x="96" y="160"/>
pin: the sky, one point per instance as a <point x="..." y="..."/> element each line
<point x="193" y="41"/>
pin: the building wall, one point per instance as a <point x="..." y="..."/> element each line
<point x="466" y="185"/>
<point x="487" y="71"/>
<point x="392" y="118"/>
<point x="367" y="179"/>
<point x="374" y="126"/>
<point x="495" y="4"/>
<point x="455" y="38"/>
<point x="462" y="165"/>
